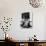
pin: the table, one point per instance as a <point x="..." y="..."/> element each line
<point x="27" y="42"/>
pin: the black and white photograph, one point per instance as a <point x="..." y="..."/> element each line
<point x="26" y="22"/>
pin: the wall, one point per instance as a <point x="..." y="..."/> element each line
<point x="14" y="8"/>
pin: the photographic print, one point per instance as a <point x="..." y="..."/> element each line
<point x="26" y="20"/>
